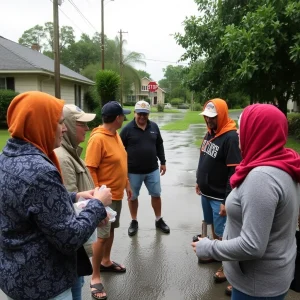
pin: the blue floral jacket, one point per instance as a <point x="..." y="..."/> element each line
<point x="39" y="231"/>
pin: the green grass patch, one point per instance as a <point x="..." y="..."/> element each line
<point x="190" y="117"/>
<point x="293" y="143"/>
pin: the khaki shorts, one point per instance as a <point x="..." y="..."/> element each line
<point x="104" y="232"/>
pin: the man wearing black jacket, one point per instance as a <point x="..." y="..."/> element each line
<point x="219" y="155"/>
<point x="143" y="143"/>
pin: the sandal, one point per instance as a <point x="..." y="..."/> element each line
<point x="220" y="278"/>
<point x="114" y="267"/>
<point x="99" y="288"/>
<point x="228" y="290"/>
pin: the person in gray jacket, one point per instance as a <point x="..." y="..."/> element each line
<point x="259" y="246"/>
<point x="76" y="176"/>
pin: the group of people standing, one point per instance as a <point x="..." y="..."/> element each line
<point x="43" y="157"/>
<point x="247" y="179"/>
<point x="249" y="187"/>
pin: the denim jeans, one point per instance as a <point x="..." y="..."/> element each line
<point x="77" y="287"/>
<point x="66" y="295"/>
<point x="237" y="295"/>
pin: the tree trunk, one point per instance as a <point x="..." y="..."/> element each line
<point x="282" y="103"/>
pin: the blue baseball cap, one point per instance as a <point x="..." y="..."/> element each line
<point x="114" y="108"/>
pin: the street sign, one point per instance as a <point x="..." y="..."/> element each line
<point x="152" y="86"/>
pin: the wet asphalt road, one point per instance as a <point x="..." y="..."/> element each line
<point x="160" y="266"/>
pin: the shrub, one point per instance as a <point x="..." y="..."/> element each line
<point x="91" y="99"/>
<point x="132" y="103"/>
<point x="5" y="98"/>
<point x="184" y="106"/>
<point x="196" y="107"/>
<point x="176" y="101"/>
<point x="160" y="107"/>
<point x="98" y="119"/>
<point x="294" y="126"/>
<point x="107" y="85"/>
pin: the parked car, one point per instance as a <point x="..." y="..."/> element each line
<point x="168" y="105"/>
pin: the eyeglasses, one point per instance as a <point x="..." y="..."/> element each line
<point x="142" y="114"/>
<point x="82" y="124"/>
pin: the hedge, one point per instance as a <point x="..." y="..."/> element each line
<point x="5" y="98"/>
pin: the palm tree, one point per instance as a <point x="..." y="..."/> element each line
<point x="125" y="66"/>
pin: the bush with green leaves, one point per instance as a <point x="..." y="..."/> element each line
<point x="160" y="107"/>
<point x="294" y="125"/>
<point x="98" y="119"/>
<point x="91" y="99"/>
<point x="176" y="101"/>
<point x="5" y="98"/>
<point x="131" y="103"/>
<point x="107" y="85"/>
<point x="196" y="107"/>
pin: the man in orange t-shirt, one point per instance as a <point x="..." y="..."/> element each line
<point x="106" y="159"/>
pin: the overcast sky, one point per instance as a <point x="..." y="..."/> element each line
<point x="149" y="23"/>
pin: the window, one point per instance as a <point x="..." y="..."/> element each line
<point x="77" y="92"/>
<point x="131" y="98"/>
<point x="144" y="87"/>
<point x="7" y="83"/>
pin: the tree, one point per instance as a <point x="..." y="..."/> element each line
<point x="246" y="46"/>
<point x="173" y="83"/>
<point x="143" y="74"/>
<point x="107" y="84"/>
<point x="34" y="35"/>
<point x="43" y="36"/>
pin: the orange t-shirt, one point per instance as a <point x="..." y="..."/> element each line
<point x="106" y="159"/>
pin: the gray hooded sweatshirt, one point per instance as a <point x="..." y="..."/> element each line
<point x="259" y="246"/>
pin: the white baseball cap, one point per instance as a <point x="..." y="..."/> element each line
<point x="79" y="114"/>
<point x="142" y="107"/>
<point x="209" y="110"/>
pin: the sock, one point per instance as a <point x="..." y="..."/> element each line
<point x="157" y="218"/>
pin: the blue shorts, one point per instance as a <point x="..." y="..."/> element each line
<point x="211" y="209"/>
<point x="237" y="295"/>
<point x="151" y="180"/>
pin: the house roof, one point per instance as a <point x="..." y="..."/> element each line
<point x="20" y="59"/>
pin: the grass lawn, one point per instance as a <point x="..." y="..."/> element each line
<point x="190" y="117"/>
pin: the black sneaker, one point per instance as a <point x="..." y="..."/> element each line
<point x="133" y="228"/>
<point x="160" y="224"/>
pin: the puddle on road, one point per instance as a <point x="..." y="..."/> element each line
<point x="182" y="154"/>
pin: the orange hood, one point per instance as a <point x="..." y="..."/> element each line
<point x="224" y="123"/>
<point x="33" y="117"/>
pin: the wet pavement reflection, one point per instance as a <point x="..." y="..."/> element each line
<point x="160" y="266"/>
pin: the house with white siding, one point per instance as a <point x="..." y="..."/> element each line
<point x="141" y="92"/>
<point x="23" y="69"/>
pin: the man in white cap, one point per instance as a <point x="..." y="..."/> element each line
<point x="219" y="155"/>
<point x="144" y="144"/>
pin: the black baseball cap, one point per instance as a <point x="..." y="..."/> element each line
<point x="114" y="108"/>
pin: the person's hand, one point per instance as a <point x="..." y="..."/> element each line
<point x="86" y="194"/>
<point x="197" y="189"/>
<point x="104" y="195"/>
<point x="194" y="244"/>
<point x="222" y="210"/>
<point x="129" y="192"/>
<point x="104" y="222"/>
<point x="163" y="170"/>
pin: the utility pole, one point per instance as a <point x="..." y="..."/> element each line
<point x="56" y="48"/>
<point x="102" y="34"/>
<point x="121" y="64"/>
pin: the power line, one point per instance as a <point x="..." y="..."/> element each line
<point x="165" y="61"/>
<point x="82" y="15"/>
<point x="69" y="18"/>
